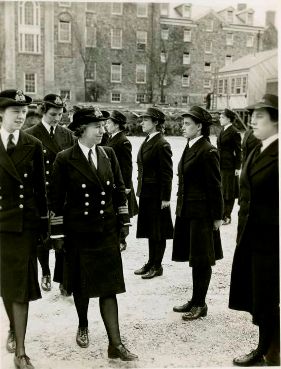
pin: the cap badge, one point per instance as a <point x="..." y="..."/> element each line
<point x="97" y="113"/>
<point x="20" y="96"/>
<point x="58" y="101"/>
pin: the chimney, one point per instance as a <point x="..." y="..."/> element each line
<point x="241" y="6"/>
<point x="270" y="18"/>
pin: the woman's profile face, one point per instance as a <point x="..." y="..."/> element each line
<point x="263" y="126"/>
<point x="224" y="120"/>
<point x="190" y="129"/>
<point x="148" y="126"/>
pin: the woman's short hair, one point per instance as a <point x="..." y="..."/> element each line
<point x="80" y="130"/>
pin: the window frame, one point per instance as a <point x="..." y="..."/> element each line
<point x="250" y="44"/>
<point x="112" y="39"/>
<point x="35" y="83"/>
<point x="229" y="39"/>
<point x="112" y="72"/>
<point x="139" y="41"/>
<point x="121" y="7"/>
<point x="185" y="76"/>
<point x="142" y="15"/>
<point x="186" y="58"/>
<point x="61" y="22"/>
<point x="165" y="31"/>
<point x="184" y="33"/>
<point x="115" y="93"/>
<point x="210" y="50"/>
<point x="144" y="71"/>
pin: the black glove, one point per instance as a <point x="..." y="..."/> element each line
<point x="58" y="244"/>
<point x="45" y="241"/>
<point x="124" y="231"/>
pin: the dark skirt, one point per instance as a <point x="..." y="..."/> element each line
<point x="19" y="273"/>
<point x="230" y="184"/>
<point x="196" y="241"/>
<point x="93" y="260"/>
<point x="153" y="222"/>
<point x="255" y="280"/>
<point x="132" y="203"/>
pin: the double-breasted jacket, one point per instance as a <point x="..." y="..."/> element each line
<point x="229" y="146"/>
<point x="155" y="175"/>
<point x="255" y="271"/>
<point x="123" y="151"/>
<point x="63" y="139"/>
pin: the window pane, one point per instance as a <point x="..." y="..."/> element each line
<point x="141" y="73"/>
<point x="186" y="58"/>
<point x="28" y="13"/>
<point x="142" y="10"/>
<point x="65" y="94"/>
<point x="141" y="98"/>
<point x="29" y="43"/>
<point x="165" y="34"/>
<point x="116" y="97"/>
<point x="116" y="73"/>
<point x="117" y="8"/>
<point x="186" y="35"/>
<point x="30" y="83"/>
<point x="141" y="40"/>
<point x="116" y="38"/>
<point x="64" y="31"/>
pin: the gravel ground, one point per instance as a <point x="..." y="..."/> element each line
<point x="148" y="325"/>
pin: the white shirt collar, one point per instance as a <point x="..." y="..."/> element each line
<point x="5" y="135"/>
<point x="227" y="125"/>
<point x="193" y="140"/>
<point x="47" y="126"/>
<point x="268" y="141"/>
<point x="152" y="135"/>
<point x="86" y="149"/>
<point x="114" y="134"/>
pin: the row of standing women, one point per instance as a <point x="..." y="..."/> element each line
<point x="87" y="202"/>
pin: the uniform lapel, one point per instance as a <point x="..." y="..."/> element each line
<point x="192" y="152"/>
<point x="79" y="161"/>
<point x="7" y="163"/>
<point x="22" y="149"/>
<point x="103" y="164"/>
<point x="269" y="155"/>
<point x="43" y="136"/>
<point x="146" y="146"/>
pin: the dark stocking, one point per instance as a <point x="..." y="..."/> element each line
<point x="109" y="314"/>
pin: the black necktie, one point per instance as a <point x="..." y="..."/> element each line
<point x="90" y="160"/>
<point x="10" y="145"/>
<point x="52" y="132"/>
<point x="146" y="138"/>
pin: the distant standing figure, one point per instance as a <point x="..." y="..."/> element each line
<point x="229" y="146"/>
<point x="249" y="142"/>
<point x="54" y="138"/>
<point x="199" y="209"/>
<point x="155" y="175"/>
<point x="255" y="280"/>
<point x="23" y="218"/>
<point x="115" y="126"/>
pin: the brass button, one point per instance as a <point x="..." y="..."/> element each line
<point x="102" y="202"/>
<point x="86" y="195"/>
<point x="86" y="213"/>
<point x="83" y="185"/>
<point x="101" y="211"/>
<point x="86" y="204"/>
<point x="21" y="206"/>
<point x="21" y="196"/>
<point x="103" y="193"/>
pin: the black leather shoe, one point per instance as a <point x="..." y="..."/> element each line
<point x="11" y="342"/>
<point x="120" y="351"/>
<point x="82" y="337"/>
<point x="46" y="283"/>
<point x="254" y="358"/>
<point x="183" y="308"/>
<point x="195" y="313"/>
<point x="143" y="270"/>
<point x="154" y="272"/>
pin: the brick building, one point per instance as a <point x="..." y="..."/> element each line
<point x="123" y="53"/>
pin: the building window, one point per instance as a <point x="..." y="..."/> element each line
<point x="90" y="72"/>
<point x="185" y="100"/>
<point x="208" y="47"/>
<point x="30" y="83"/>
<point x="250" y="19"/>
<point x="207" y="83"/>
<point x="187" y="35"/>
<point x="142" y="10"/>
<point x="141" y="40"/>
<point x="185" y="80"/>
<point x="220" y="89"/>
<point x="115" y="97"/>
<point x="186" y="11"/>
<point x="65" y="94"/>
<point x="164" y="9"/>
<point x="250" y="41"/>
<point x="163" y="57"/>
<point x="65" y="3"/>
<point x="244" y="85"/>
<point x="238" y="85"/>
<point x="116" y="38"/>
<point x="117" y="8"/>
<point x="29" y="27"/>
<point x="64" y="31"/>
<point x="225" y="87"/>
<point x="140" y="73"/>
<point x="116" y="72"/>
<point x="229" y="39"/>
<point x="186" y="58"/>
<point x="141" y="98"/>
<point x="91" y="31"/>
<point x="207" y="67"/>
<point x="210" y="25"/>
<point x="232" y="86"/>
<point x="229" y="16"/>
<point x="228" y="59"/>
<point x="165" y="33"/>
